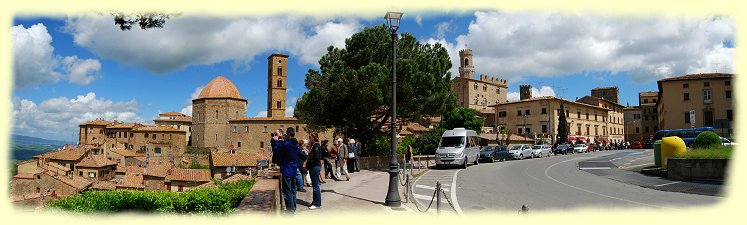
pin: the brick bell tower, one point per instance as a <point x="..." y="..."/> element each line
<point x="466" y="66"/>
<point x="277" y="74"/>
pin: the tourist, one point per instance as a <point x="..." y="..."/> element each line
<point x="351" y="155"/>
<point x="300" y="174"/>
<point x="304" y="171"/>
<point x="335" y="156"/>
<point x="287" y="152"/>
<point x="326" y="155"/>
<point x="313" y="165"/>
<point x="356" y="160"/>
<point x="342" y="153"/>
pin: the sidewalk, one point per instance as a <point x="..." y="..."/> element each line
<point x="366" y="191"/>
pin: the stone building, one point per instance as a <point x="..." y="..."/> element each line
<point x="239" y="162"/>
<point x="478" y="94"/>
<point x="93" y="132"/>
<point x="607" y="93"/>
<point x="708" y="95"/>
<point x="120" y="135"/>
<point x="176" y="120"/>
<point x="96" y="168"/>
<point x="163" y="143"/>
<point x="650" y="122"/>
<point x="538" y="117"/>
<point x="633" y="130"/>
<point x="614" y="120"/>
<point x="185" y="179"/>
<point x="219" y="102"/>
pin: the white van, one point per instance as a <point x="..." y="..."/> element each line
<point x="458" y="147"/>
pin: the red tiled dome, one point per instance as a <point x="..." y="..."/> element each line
<point x="220" y="87"/>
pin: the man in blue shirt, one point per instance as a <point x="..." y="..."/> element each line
<point x="287" y="152"/>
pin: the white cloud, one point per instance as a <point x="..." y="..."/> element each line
<point x="419" y="20"/>
<point x="261" y="114"/>
<point x="516" y="45"/>
<point x="34" y="62"/>
<point x="82" y="71"/>
<point x="187" y="110"/>
<point x="58" y="118"/>
<point x="186" y="40"/>
<point x="289" y="111"/>
<point x="541" y="92"/>
<point x="442" y="28"/>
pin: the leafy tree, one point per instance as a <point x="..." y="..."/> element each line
<point x="707" y="139"/>
<point x="427" y="142"/>
<point x="462" y="117"/>
<point x="351" y="91"/>
<point x="562" y="126"/>
<point x="144" y="20"/>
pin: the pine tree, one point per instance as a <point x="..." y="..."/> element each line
<point x="562" y="125"/>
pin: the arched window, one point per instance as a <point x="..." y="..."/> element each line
<point x="280" y="83"/>
<point x="280" y="71"/>
<point x="466" y="62"/>
<point x="278" y="104"/>
<point x="216" y="114"/>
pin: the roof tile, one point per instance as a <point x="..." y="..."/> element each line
<point x="197" y="175"/>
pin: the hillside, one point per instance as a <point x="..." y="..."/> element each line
<point x="24" y="147"/>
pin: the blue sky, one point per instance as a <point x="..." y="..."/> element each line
<point x="69" y="70"/>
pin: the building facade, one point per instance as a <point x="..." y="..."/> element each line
<point x="633" y="130"/>
<point x="478" y="94"/>
<point x="608" y="93"/>
<point x="539" y="117"/>
<point x="614" y="120"/>
<point x="176" y="120"/>
<point x="709" y="96"/>
<point x="647" y="101"/>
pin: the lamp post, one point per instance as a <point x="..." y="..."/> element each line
<point x="392" y="196"/>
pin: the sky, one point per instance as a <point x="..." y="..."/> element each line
<point x="72" y="69"/>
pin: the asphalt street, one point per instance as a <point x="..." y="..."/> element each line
<point x="587" y="180"/>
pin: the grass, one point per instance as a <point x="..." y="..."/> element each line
<point x="717" y="152"/>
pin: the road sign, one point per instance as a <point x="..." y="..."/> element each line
<point x="692" y="118"/>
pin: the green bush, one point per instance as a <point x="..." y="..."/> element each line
<point x="707" y="139"/>
<point x="714" y="152"/>
<point x="218" y="200"/>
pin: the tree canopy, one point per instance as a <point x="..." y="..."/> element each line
<point x="351" y="91"/>
<point x="462" y="117"/>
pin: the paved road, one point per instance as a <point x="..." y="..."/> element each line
<point x="559" y="183"/>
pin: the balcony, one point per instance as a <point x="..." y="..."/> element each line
<point x="707" y="101"/>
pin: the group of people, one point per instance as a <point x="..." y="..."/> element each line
<point x="301" y="163"/>
<point x="616" y="145"/>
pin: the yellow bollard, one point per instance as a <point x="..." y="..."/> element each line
<point x="671" y="146"/>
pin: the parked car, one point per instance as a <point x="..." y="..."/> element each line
<point x="725" y="142"/>
<point x="648" y="144"/>
<point x="458" y="147"/>
<point x="590" y="148"/>
<point x="519" y="151"/>
<point x="636" y="145"/>
<point x="563" y="149"/>
<point x="580" y="148"/>
<point x="493" y="153"/>
<point x="540" y="150"/>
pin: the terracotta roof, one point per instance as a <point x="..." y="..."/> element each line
<point x="206" y="185"/>
<point x="237" y="177"/>
<point x="549" y="98"/>
<point x="196" y="175"/>
<point x="123" y="152"/>
<point x="76" y="182"/>
<point x="699" y="76"/>
<point x="416" y="127"/>
<point x="405" y="132"/>
<point x="264" y="119"/>
<point x="488" y="136"/>
<point x="171" y="114"/>
<point x="129" y="169"/>
<point x="24" y="176"/>
<point x="121" y="169"/>
<point x="122" y="125"/>
<point x="140" y="158"/>
<point x="71" y="153"/>
<point x="131" y="180"/>
<point x="220" y="87"/>
<point x="156" y="129"/>
<point x="56" y="166"/>
<point x="240" y="158"/>
<point x="95" y="161"/>
<point x="104" y="185"/>
<point x="99" y="122"/>
<point x="156" y="170"/>
<point x="178" y="119"/>
<point x="597" y="99"/>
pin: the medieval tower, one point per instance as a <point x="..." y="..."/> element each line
<point x="277" y="71"/>
<point x="525" y="92"/>
<point x="466" y="66"/>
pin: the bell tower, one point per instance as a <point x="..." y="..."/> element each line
<point x="466" y="66"/>
<point x="277" y="74"/>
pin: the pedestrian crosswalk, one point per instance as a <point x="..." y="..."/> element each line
<point x="423" y="190"/>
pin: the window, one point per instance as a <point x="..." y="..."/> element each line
<point x="637" y="130"/>
<point x="233" y="129"/>
<point x="280" y="71"/>
<point x="157" y="150"/>
<point x="518" y="113"/>
<point x="282" y="127"/>
<point x="646" y="129"/>
<point x="132" y="135"/>
<point x="526" y="112"/>
<point x="685" y="85"/>
<point x="595" y="116"/>
<point x="80" y="173"/>
<point x="707" y="96"/>
<point x="587" y="116"/>
<point x="528" y="130"/>
<point x="729" y="115"/>
<point x="216" y="137"/>
<point x="519" y="130"/>
<point x="265" y="129"/>
<point x="146" y="135"/>
<point x="578" y="114"/>
<point x="239" y="144"/>
<point x="261" y="144"/>
<point x="567" y="113"/>
<point x="502" y="114"/>
<point x="181" y="188"/>
<point x="216" y="114"/>
<point x="687" y="117"/>
<point x="280" y="83"/>
<point x="544" y="128"/>
<point x="154" y="136"/>
<point x="278" y="104"/>
<point x="645" y="100"/>
<point x="706" y="84"/>
<point x="38" y="190"/>
<point x="728" y="93"/>
<point x="246" y="128"/>
<point x="475" y="86"/>
<point x="297" y="129"/>
<point x="544" y="110"/>
<point x="91" y="174"/>
<point x="727" y="83"/>
<point x="685" y="96"/>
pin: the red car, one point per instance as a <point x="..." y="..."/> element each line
<point x="590" y="148"/>
<point x="636" y="145"/>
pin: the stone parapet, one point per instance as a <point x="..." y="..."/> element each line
<point x="697" y="169"/>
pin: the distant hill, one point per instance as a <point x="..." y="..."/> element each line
<point x="25" y="147"/>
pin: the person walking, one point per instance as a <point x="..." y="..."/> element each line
<point x="357" y="151"/>
<point x="343" y="154"/>
<point x="334" y="155"/>
<point x="300" y="173"/>
<point x="313" y="165"/>
<point x="351" y="155"/>
<point x="326" y="155"/>
<point x="287" y="151"/>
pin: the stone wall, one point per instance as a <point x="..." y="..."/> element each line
<point x="685" y="169"/>
<point x="263" y="198"/>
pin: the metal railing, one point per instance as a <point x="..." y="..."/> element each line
<point x="438" y="192"/>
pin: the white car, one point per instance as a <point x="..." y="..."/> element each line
<point x="725" y="142"/>
<point x="540" y="151"/>
<point x="519" y="151"/>
<point x="580" y="148"/>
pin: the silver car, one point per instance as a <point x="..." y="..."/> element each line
<point x="539" y="151"/>
<point x="519" y="151"/>
<point x="580" y="148"/>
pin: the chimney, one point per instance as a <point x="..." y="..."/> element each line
<point x="525" y="92"/>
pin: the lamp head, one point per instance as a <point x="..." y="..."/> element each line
<point x="392" y="20"/>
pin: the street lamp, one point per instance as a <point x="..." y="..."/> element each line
<point x="392" y="196"/>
